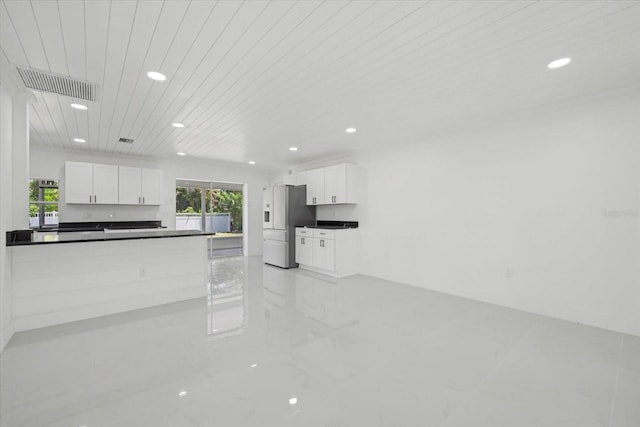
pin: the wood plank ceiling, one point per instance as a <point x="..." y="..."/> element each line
<point x="251" y="78"/>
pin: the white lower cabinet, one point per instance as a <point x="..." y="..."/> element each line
<point x="324" y="252"/>
<point x="304" y="250"/>
<point x="331" y="252"/>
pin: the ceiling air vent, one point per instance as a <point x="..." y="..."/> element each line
<point x="126" y="140"/>
<point x="62" y="85"/>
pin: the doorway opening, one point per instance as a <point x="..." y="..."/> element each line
<point x="212" y="207"/>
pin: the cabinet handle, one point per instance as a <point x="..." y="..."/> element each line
<point x="95" y="199"/>
<point x="143" y="200"/>
<point x="138" y="199"/>
<point x="89" y="198"/>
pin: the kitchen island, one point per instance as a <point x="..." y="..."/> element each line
<point x="64" y="277"/>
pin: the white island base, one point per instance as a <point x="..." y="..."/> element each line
<point x="65" y="282"/>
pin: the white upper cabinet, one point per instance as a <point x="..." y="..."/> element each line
<point x="315" y="187"/>
<point x="78" y="182"/>
<point x="332" y="185"/>
<point x="105" y="184"/>
<point x="151" y="186"/>
<point x="301" y="179"/>
<point x="89" y="183"/>
<point x="96" y="184"/>
<point x="340" y="184"/>
<point x="139" y="186"/>
<point x="297" y="179"/>
<point x="129" y="186"/>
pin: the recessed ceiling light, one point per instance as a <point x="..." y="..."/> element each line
<point x="79" y="140"/>
<point x="251" y="162"/>
<point x="183" y="393"/>
<point x="293" y="148"/>
<point x="350" y="130"/>
<point x="156" y="76"/>
<point x="177" y="125"/>
<point x="181" y="154"/>
<point x="559" y="63"/>
<point x="254" y="365"/>
<point x="79" y="106"/>
<point x="293" y="401"/>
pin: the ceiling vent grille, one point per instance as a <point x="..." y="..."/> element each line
<point x="126" y="140"/>
<point x="62" y="85"/>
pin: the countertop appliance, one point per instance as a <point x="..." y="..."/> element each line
<point x="284" y="209"/>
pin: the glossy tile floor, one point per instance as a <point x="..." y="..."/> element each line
<point x="272" y="347"/>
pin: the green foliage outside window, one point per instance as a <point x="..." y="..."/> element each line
<point x="43" y="198"/>
<point x="188" y="201"/>
<point x="49" y="195"/>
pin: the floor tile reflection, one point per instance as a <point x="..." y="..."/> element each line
<point x="273" y="347"/>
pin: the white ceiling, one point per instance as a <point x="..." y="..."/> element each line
<point x="251" y="78"/>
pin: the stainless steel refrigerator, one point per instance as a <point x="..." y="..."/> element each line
<point x="284" y="209"/>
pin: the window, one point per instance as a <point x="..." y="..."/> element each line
<point x="43" y="203"/>
<point x="222" y="209"/>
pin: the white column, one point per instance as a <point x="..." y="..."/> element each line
<point x="6" y="290"/>
<point x="20" y="160"/>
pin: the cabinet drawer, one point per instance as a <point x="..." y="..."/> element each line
<point x="300" y="231"/>
<point x="324" y="234"/>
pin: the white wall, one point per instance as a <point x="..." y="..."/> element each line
<point x="46" y="163"/>
<point x="540" y="213"/>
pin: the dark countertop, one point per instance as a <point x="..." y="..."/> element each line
<point x="334" y="225"/>
<point x="101" y="225"/>
<point x="99" y="236"/>
<point x="328" y="227"/>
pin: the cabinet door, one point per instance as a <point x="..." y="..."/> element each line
<point x="304" y="250"/>
<point x="105" y="184"/>
<point x="78" y="182"/>
<point x="151" y="186"/>
<point x="129" y="186"/>
<point x="279" y="211"/>
<point x="267" y="208"/>
<point x="335" y="184"/>
<point x="315" y="187"/>
<point x="324" y="254"/>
